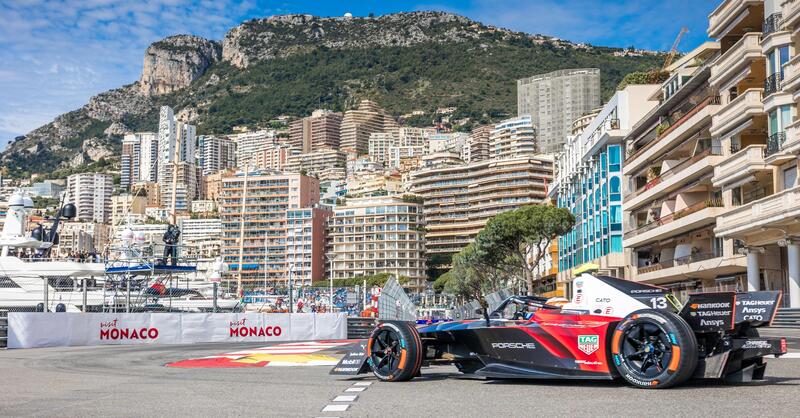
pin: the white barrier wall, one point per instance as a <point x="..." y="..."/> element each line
<point x="37" y="329"/>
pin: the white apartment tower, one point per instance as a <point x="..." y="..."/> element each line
<point x="515" y="137"/>
<point x="91" y="195"/>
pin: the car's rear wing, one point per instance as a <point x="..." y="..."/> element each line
<point x="724" y="311"/>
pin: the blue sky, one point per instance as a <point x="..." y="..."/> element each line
<point x="55" y="54"/>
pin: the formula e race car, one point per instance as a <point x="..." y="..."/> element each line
<point x="611" y="328"/>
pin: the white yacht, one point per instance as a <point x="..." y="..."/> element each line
<point x="30" y="280"/>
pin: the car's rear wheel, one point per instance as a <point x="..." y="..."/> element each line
<point x="654" y="349"/>
<point x="395" y="351"/>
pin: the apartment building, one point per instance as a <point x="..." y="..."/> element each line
<point x="446" y="141"/>
<point x="358" y="124"/>
<point x="379" y="145"/>
<point x="460" y="198"/>
<point x="249" y="144"/>
<point x="672" y="200"/>
<point x="554" y="100"/>
<point x="326" y="164"/>
<point x="201" y="237"/>
<point x="215" y="154"/>
<point x="139" y="158"/>
<point x="477" y="146"/>
<point x="150" y="190"/>
<point x="272" y="227"/>
<point x="82" y="237"/>
<point x="127" y="206"/>
<point x="321" y="130"/>
<point x="91" y="195"/>
<point x="375" y="184"/>
<point x="399" y="154"/>
<point x="185" y="177"/>
<point x="274" y="157"/>
<point x="515" y="137"/>
<point x="376" y="235"/>
<point x="758" y="78"/>
<point x="589" y="184"/>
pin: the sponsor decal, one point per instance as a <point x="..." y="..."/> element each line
<point x="110" y="330"/>
<point x="602" y="300"/>
<point x="646" y="291"/>
<point x="578" y="298"/>
<point x="588" y="363"/>
<point x="673" y="338"/>
<point x="712" y="322"/>
<point x="578" y="284"/>
<point x="241" y="329"/>
<point x="712" y="305"/>
<point x="529" y="346"/>
<point x="637" y="381"/>
<point x="617" y="360"/>
<point x="761" y="344"/>
<point x="588" y="343"/>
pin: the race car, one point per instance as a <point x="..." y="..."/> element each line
<point x="611" y="328"/>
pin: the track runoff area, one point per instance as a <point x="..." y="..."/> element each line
<point x="292" y="379"/>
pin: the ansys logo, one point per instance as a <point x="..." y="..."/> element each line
<point x="588" y="343"/>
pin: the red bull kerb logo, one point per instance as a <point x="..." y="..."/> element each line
<point x="112" y="330"/>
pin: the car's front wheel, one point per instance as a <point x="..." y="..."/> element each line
<point x="395" y="351"/>
<point x="654" y="349"/>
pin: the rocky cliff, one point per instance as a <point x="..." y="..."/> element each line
<point x="292" y="64"/>
<point x="173" y="63"/>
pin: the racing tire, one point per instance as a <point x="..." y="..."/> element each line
<point x="395" y="351"/>
<point x="654" y="349"/>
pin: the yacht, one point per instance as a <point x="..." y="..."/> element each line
<point x="31" y="280"/>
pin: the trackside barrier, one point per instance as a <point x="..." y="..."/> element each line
<point x="360" y="328"/>
<point x="42" y="329"/>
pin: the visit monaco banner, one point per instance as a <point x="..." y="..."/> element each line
<point x="36" y="329"/>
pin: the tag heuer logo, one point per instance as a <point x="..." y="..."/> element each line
<point x="588" y="343"/>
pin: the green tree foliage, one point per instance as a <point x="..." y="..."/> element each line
<point x="519" y="239"/>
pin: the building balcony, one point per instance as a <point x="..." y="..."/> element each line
<point x="678" y="131"/>
<point x="784" y="148"/>
<point x="683" y="174"/>
<point x="791" y="14"/>
<point x="736" y="59"/>
<point x="676" y="223"/>
<point x="740" y="165"/>
<point x="737" y="112"/>
<point x="791" y="75"/>
<point x="727" y="14"/>
<point x="703" y="265"/>
<point x="774" y="212"/>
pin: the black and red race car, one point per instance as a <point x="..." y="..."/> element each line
<point x="612" y="328"/>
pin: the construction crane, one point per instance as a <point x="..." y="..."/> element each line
<point x="674" y="50"/>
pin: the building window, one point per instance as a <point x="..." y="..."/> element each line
<point x="789" y="177"/>
<point x="614" y="185"/>
<point x="616" y="243"/>
<point x="614" y="158"/>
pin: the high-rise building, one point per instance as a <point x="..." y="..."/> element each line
<point x="379" y="144"/>
<point x="758" y="79"/>
<point x="555" y="99"/>
<point x="477" y="146"/>
<point x="449" y="141"/>
<point x="378" y="235"/>
<point x="272" y="228"/>
<point x="590" y="184"/>
<point x="515" y="137"/>
<point x="319" y="131"/>
<point x="216" y="154"/>
<point x="91" y="195"/>
<point x="249" y="144"/>
<point x="200" y="237"/>
<point x="325" y="165"/>
<point x="358" y="124"/>
<point x="138" y="161"/>
<point x="274" y="157"/>
<point x="185" y="185"/>
<point x="460" y="198"/>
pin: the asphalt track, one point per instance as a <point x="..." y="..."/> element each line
<point x="132" y="381"/>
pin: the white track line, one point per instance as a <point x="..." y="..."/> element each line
<point x="362" y="383"/>
<point x="790" y="355"/>
<point x="336" y="408"/>
<point x="355" y="389"/>
<point x="345" y="398"/>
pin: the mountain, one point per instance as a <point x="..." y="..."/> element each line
<point x="292" y="64"/>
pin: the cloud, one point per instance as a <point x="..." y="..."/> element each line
<point x="54" y="54"/>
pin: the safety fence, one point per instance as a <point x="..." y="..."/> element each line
<point x="35" y="329"/>
<point x="394" y="303"/>
<point x="3" y="328"/>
